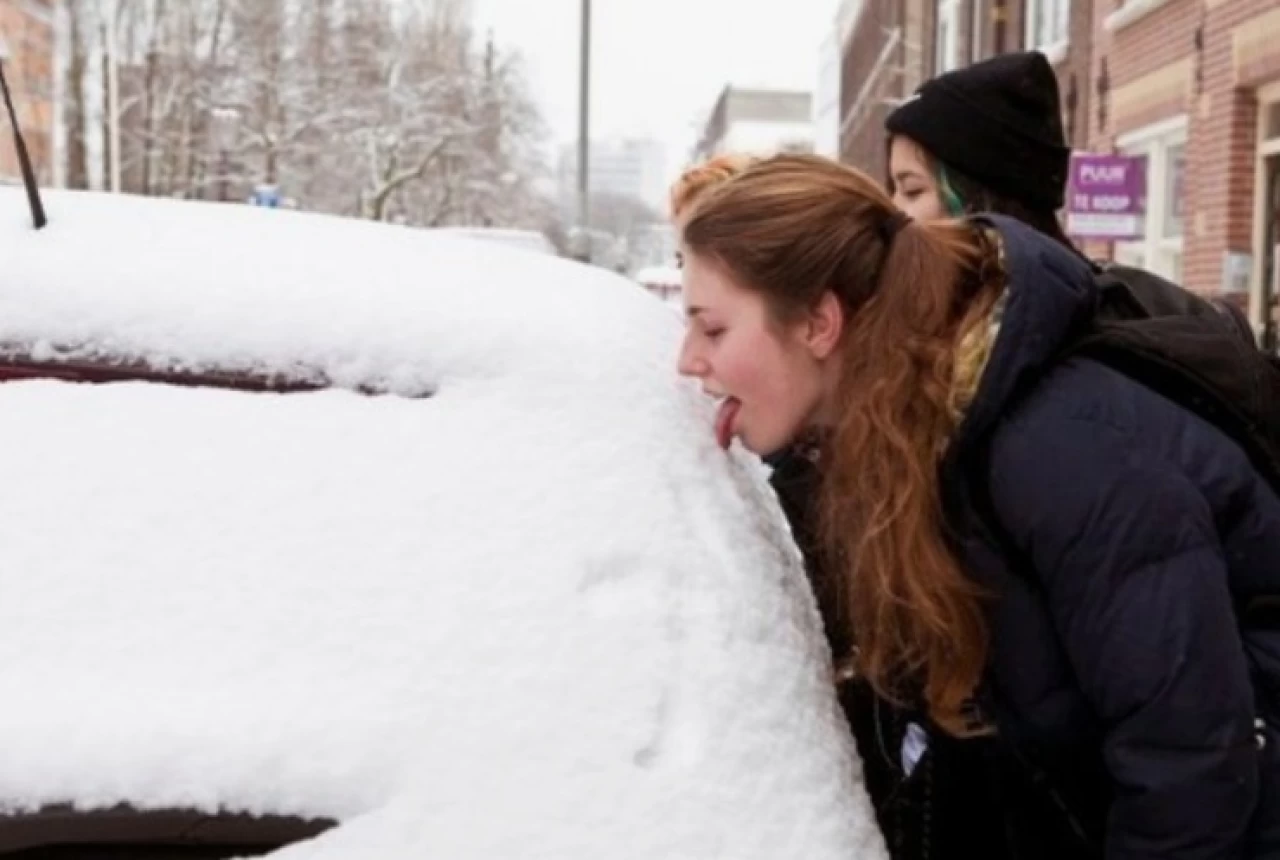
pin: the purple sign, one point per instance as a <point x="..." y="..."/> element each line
<point x="1107" y="196"/>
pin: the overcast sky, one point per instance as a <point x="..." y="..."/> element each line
<point x="657" y="65"/>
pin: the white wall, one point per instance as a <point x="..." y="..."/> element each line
<point x="764" y="138"/>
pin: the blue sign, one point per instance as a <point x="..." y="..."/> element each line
<point x="266" y="195"/>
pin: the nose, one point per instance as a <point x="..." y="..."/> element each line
<point x="691" y="362"/>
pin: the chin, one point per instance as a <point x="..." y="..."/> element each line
<point x="762" y="447"/>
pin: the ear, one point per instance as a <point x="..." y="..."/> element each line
<point x="824" y="326"/>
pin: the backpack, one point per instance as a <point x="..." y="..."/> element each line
<point x="1130" y="292"/>
<point x="1200" y="354"/>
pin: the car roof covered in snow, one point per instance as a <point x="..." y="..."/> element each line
<point x="186" y="284"/>
<point x="537" y="613"/>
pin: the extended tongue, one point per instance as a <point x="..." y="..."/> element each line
<point x="724" y="422"/>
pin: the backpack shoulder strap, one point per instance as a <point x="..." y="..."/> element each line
<point x="1237" y="318"/>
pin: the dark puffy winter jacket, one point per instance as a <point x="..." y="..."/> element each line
<point x="1118" y="667"/>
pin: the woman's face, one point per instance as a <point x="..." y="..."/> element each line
<point x="915" y="187"/>
<point x="770" y="377"/>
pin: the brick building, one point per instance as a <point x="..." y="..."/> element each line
<point x="890" y="46"/>
<point x="1182" y="82"/>
<point x="959" y="32"/>
<point x="1197" y="82"/>
<point x="882" y="62"/>
<point x="27" y="33"/>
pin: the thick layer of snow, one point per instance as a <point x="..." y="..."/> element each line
<point x="529" y="240"/>
<point x="662" y="275"/>
<point x="536" y="615"/>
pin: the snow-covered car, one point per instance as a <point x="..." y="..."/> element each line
<point x="528" y="240"/>
<point x="322" y="539"/>
<point x="663" y="281"/>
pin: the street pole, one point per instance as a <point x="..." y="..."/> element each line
<point x="584" y="92"/>
<point x="113" y="96"/>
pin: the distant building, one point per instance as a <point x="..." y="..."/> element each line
<point x="760" y="121"/>
<point x="27" y="49"/>
<point x="628" y="167"/>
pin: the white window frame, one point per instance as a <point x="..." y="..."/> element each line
<point x="1056" y="36"/>
<point x="946" y="36"/>
<point x="1130" y="12"/>
<point x="1266" y="148"/>
<point x="1155" y="251"/>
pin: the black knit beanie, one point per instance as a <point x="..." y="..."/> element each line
<point x="999" y="122"/>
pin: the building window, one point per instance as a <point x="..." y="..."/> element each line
<point x="1160" y="248"/>
<point x="1271" y="121"/>
<point x="946" y="51"/>
<point x="1048" y="25"/>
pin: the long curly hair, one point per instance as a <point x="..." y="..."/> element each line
<point x="794" y="227"/>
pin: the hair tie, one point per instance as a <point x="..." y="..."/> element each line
<point x="892" y="224"/>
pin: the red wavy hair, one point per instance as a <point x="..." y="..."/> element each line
<point x="794" y="227"/>
<point x="698" y="179"/>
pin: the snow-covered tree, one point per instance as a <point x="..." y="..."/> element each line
<point x="384" y="109"/>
